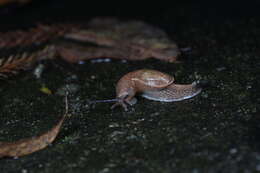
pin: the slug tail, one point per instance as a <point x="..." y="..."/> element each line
<point x="174" y="92"/>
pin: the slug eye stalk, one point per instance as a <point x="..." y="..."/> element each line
<point x="119" y="102"/>
<point x="104" y="101"/>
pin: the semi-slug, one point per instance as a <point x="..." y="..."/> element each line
<point x="153" y="85"/>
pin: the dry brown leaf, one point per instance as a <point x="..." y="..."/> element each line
<point x="30" y="145"/>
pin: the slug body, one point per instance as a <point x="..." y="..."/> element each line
<point x="174" y="92"/>
<point x="153" y="85"/>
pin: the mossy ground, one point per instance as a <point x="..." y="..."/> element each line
<point x="216" y="131"/>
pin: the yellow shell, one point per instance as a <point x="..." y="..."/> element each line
<point x="153" y="78"/>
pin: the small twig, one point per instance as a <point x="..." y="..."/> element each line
<point x="66" y="103"/>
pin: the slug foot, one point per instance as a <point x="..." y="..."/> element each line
<point x="125" y="103"/>
<point x="120" y="103"/>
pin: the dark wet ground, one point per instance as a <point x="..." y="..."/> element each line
<point x="217" y="131"/>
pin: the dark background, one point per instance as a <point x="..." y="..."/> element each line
<point x="217" y="131"/>
<point x="159" y="13"/>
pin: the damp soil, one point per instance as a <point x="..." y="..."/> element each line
<point x="216" y="131"/>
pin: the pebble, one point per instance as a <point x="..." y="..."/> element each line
<point x="221" y="68"/>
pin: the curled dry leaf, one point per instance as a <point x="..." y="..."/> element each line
<point x="30" y="145"/>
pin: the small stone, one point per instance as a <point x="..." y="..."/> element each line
<point x="104" y="170"/>
<point x="195" y="171"/>
<point x="204" y="95"/>
<point x="71" y="88"/>
<point x="221" y="68"/>
<point x="112" y="125"/>
<point x="233" y="151"/>
<point x="24" y="171"/>
<point x="81" y="62"/>
<point x="258" y="167"/>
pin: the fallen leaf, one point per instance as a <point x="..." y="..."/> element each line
<point x="46" y="90"/>
<point x="29" y="145"/>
